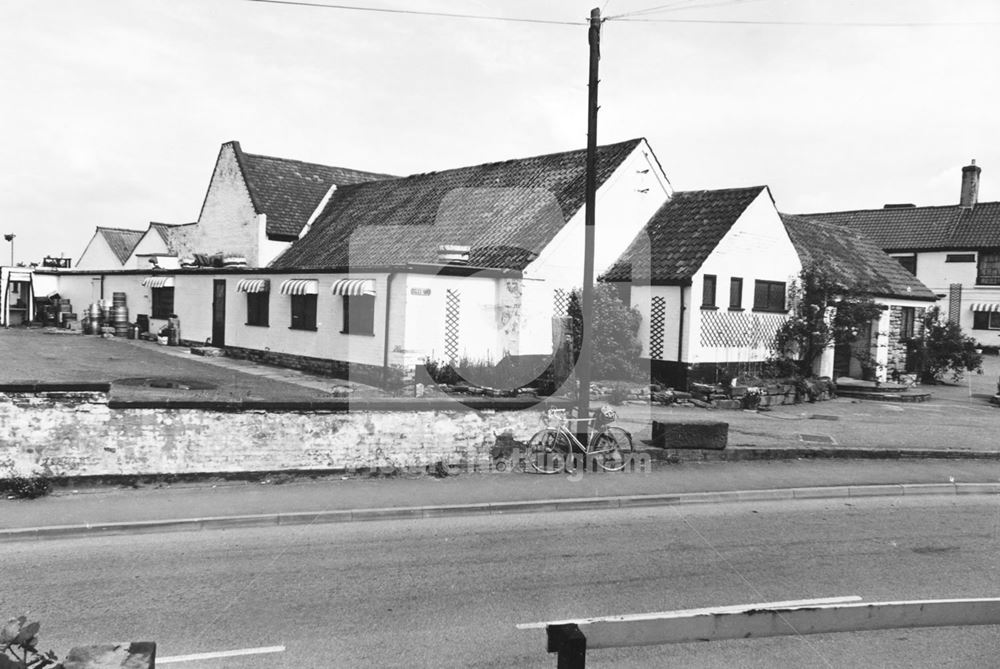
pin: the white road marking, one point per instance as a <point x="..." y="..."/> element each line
<point x="220" y="654"/>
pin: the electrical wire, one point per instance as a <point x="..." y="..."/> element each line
<point x="449" y="15"/>
<point x="833" y="24"/>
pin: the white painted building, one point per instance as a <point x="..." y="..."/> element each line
<point x="473" y="263"/>
<point x="709" y="274"/>
<point x="953" y="249"/>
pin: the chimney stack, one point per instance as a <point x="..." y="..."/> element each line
<point x="970" y="186"/>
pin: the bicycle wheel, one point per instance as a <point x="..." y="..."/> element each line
<point x="547" y="451"/>
<point x="612" y="448"/>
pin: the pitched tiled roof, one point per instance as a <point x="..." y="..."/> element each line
<point x="506" y="212"/>
<point x="288" y="191"/>
<point x="121" y="240"/>
<point x="923" y="228"/>
<point x="854" y="258"/>
<point x="168" y="233"/>
<point x="681" y="235"/>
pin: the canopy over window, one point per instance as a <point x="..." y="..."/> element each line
<point x="985" y="306"/>
<point x="158" y="282"/>
<point x="253" y="286"/>
<point x="300" y="287"/>
<point x="354" y="287"/>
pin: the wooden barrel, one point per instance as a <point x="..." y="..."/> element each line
<point x="118" y="299"/>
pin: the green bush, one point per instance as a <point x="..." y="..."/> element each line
<point x="27" y="487"/>
<point x="615" y="344"/>
<point x="943" y="348"/>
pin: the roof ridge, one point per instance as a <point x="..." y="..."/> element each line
<point x="634" y="141"/>
<point x="110" y="227"/>
<point x="306" y="162"/>
<point x="722" y="190"/>
<point x="893" y="209"/>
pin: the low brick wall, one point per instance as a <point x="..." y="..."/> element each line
<point x="77" y="434"/>
<point x="370" y="374"/>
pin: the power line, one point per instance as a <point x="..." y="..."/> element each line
<point x="834" y="24"/>
<point x="449" y="15"/>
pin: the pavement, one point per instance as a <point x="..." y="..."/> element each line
<point x="277" y="501"/>
<point x="839" y="448"/>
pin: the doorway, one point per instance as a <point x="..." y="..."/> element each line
<point x="219" y="313"/>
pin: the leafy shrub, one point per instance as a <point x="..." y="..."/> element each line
<point x="615" y="344"/>
<point x="943" y="348"/>
<point x="19" y="646"/>
<point x="27" y="487"/>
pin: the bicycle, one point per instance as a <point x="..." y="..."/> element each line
<point x="554" y="448"/>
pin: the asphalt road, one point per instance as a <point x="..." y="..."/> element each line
<point x="443" y="593"/>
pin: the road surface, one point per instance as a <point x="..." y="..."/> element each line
<point x="448" y="592"/>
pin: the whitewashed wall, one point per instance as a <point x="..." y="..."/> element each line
<point x="151" y="243"/>
<point x="642" y="300"/>
<point x="228" y="223"/>
<point x="937" y="274"/>
<point x="624" y="204"/>
<point x="98" y="255"/>
<point x="757" y="247"/>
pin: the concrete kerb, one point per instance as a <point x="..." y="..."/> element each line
<point x="306" y="518"/>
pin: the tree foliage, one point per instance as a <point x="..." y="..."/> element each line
<point x="943" y="348"/>
<point x="827" y="310"/>
<point x="615" y="347"/>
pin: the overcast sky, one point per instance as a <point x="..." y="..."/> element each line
<point x="114" y="110"/>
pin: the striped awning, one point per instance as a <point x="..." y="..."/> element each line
<point x="353" y="287"/>
<point x="158" y="282"/>
<point x="253" y="286"/>
<point x="300" y="287"/>
<point x="984" y="306"/>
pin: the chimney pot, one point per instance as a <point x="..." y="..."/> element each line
<point x="970" y="186"/>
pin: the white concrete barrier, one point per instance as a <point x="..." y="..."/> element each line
<point x="844" y="614"/>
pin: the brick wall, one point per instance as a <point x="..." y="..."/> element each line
<point x="369" y="374"/>
<point x="79" y="434"/>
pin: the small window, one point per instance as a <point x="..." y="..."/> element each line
<point x="989" y="269"/>
<point x="960" y="257"/>
<point x="359" y="314"/>
<point x="708" y="292"/>
<point x="909" y="262"/>
<point x="736" y="293"/>
<point x="303" y="312"/>
<point x="769" y="296"/>
<point x="257" y="308"/>
<point x="163" y="302"/>
<point x="908" y="318"/>
<point x="986" y="320"/>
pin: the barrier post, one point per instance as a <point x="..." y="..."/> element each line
<point x="570" y="643"/>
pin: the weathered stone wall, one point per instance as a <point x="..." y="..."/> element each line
<point x="79" y="434"/>
<point x="897" y="345"/>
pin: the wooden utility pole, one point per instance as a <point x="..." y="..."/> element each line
<point x="583" y="364"/>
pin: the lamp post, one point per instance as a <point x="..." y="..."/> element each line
<point x="9" y="237"/>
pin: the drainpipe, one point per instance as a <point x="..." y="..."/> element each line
<point x="680" y="330"/>
<point x="385" y="346"/>
<point x="102" y="287"/>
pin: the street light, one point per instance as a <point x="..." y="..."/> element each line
<point x="9" y="237"/>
